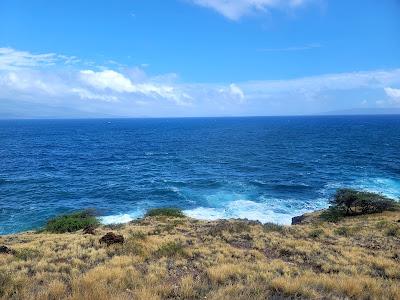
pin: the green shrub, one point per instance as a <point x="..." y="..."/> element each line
<point x="316" y="233"/>
<point x="393" y="231"/>
<point x="354" y="202"/>
<point x="343" y="231"/>
<point x="274" y="227"/>
<point x="72" y="222"/>
<point x="228" y="226"/>
<point x="26" y="254"/>
<point x="170" y="249"/>
<point x="382" y="224"/>
<point x="166" y="212"/>
<point x="332" y="214"/>
<point x="139" y="235"/>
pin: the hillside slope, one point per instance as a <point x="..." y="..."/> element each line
<point x="182" y="258"/>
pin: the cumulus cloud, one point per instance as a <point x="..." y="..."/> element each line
<point x="132" y="92"/>
<point x="107" y="79"/>
<point x="235" y="9"/>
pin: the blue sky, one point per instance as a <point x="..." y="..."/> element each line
<point x="197" y="57"/>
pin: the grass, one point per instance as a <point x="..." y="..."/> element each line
<point x="332" y="214"/>
<point x="72" y="222"/>
<point x="356" y="258"/>
<point x="165" y="212"/>
<point x="170" y="249"/>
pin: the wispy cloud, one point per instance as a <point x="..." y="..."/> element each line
<point x="11" y="59"/>
<point x="132" y="92"/>
<point x="236" y="9"/>
<point x="292" y="48"/>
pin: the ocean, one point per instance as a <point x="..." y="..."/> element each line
<point x="261" y="168"/>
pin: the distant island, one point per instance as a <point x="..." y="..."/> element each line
<point x="363" y="111"/>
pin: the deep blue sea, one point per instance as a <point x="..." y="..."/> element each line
<point x="266" y="168"/>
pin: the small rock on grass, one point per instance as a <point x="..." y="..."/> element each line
<point x="6" y="250"/>
<point x="112" y="238"/>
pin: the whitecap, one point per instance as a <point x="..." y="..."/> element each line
<point x="245" y="209"/>
<point x="121" y="218"/>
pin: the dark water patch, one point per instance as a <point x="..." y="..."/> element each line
<point x="269" y="168"/>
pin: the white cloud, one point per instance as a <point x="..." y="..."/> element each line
<point x="317" y="84"/>
<point x="393" y="94"/>
<point x="107" y="79"/>
<point x="293" y="48"/>
<point x="236" y="92"/>
<point x="235" y="9"/>
<point x="132" y="92"/>
<point x="11" y="59"/>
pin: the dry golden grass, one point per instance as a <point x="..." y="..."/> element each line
<point x="163" y="258"/>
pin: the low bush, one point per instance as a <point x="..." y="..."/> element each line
<point x="27" y="254"/>
<point x="343" y="231"/>
<point x="139" y="235"/>
<point x="393" y="231"/>
<point x="166" y="212"/>
<point x="332" y="214"/>
<point x="229" y="226"/>
<point x="72" y="222"/>
<point x="269" y="226"/>
<point x="170" y="249"/>
<point x="316" y="233"/>
<point x="353" y="202"/>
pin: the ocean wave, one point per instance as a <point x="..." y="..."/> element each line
<point x="386" y="186"/>
<point x="121" y="218"/>
<point x="245" y="209"/>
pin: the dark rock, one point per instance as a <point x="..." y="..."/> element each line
<point x="249" y="222"/>
<point x="90" y="229"/>
<point x="112" y="238"/>
<point x="298" y="220"/>
<point x="6" y="250"/>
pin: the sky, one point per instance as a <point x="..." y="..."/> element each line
<point x="195" y="58"/>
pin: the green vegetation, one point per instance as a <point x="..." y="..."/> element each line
<point x="350" y="202"/>
<point x="72" y="222"/>
<point x="170" y="249"/>
<point x="224" y="259"/>
<point x="165" y="212"/>
<point x="274" y="227"/>
<point x="316" y="233"/>
<point x="27" y="254"/>
<point x="393" y="230"/>
<point x="354" y="202"/>
<point x="343" y="231"/>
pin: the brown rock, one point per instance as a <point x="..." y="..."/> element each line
<point x="112" y="238"/>
<point x="298" y="220"/>
<point x="6" y="250"/>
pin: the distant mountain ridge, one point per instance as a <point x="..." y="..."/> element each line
<point x="364" y="111"/>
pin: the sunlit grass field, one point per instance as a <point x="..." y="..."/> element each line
<point x="168" y="257"/>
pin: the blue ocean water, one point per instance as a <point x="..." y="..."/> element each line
<point x="266" y="168"/>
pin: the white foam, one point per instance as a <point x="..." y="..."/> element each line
<point x="120" y="218"/>
<point x="244" y="209"/>
<point x="385" y="186"/>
